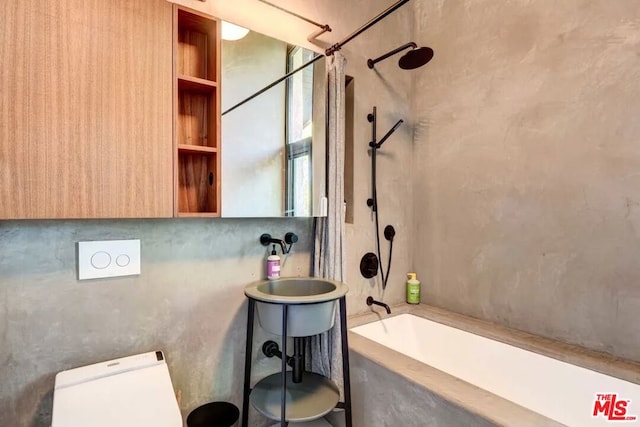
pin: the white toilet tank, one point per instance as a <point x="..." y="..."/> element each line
<point x="132" y="391"/>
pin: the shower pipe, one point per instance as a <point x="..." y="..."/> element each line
<point x="389" y="231"/>
<point x="328" y="52"/>
<point x="415" y="58"/>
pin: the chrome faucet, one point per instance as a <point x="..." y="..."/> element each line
<point x="371" y="301"/>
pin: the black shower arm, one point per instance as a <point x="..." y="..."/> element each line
<point x="372" y="62"/>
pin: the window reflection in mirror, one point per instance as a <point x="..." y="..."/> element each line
<point x="299" y="132"/>
<point x="273" y="147"/>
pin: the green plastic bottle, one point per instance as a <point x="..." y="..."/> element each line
<point x="413" y="289"/>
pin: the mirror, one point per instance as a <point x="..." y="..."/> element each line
<point x="274" y="146"/>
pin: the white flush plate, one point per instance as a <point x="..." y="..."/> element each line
<point x="109" y="258"/>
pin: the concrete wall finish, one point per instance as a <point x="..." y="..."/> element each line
<point x="382" y="398"/>
<point x="526" y="185"/>
<point x="188" y="302"/>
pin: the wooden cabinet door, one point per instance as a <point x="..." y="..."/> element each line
<point x="86" y="109"/>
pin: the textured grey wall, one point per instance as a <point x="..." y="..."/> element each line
<point x="527" y="184"/>
<point x="382" y="398"/>
<point x="188" y="302"/>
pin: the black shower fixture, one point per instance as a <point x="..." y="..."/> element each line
<point x="375" y="146"/>
<point x="289" y="239"/>
<point x="378" y="144"/>
<point x="370" y="262"/>
<point x="389" y="232"/>
<point x="369" y="265"/>
<point x="416" y="57"/>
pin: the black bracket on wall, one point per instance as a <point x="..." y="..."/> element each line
<point x="289" y="239"/>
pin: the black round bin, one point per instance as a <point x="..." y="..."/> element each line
<point x="214" y="414"/>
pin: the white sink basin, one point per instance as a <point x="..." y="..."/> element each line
<point x="311" y="304"/>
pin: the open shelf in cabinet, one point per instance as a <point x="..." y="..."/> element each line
<point x="197" y="183"/>
<point x="196" y="84"/>
<point x="197" y="119"/>
<point x="196" y="113"/>
<point x="188" y="148"/>
<point x="197" y="44"/>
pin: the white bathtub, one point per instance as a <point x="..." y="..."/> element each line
<point x="558" y="390"/>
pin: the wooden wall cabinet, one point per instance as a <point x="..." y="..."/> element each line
<point x="196" y="49"/>
<point x="108" y="109"/>
<point x="86" y="110"/>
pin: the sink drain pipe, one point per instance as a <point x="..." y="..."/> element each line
<point x="296" y="362"/>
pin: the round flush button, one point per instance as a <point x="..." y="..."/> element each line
<point x="100" y="260"/>
<point x="123" y="260"/>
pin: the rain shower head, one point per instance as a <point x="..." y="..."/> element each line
<point x="416" y="57"/>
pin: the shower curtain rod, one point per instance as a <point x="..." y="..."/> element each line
<point x="328" y="52"/>
<point x="336" y="47"/>
<point x="269" y="86"/>
<point x="325" y="27"/>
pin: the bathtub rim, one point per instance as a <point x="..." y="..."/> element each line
<point x="604" y="363"/>
<point x="465" y="395"/>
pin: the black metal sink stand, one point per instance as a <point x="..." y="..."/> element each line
<point x="346" y="405"/>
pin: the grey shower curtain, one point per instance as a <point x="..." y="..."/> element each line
<point x="324" y="350"/>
